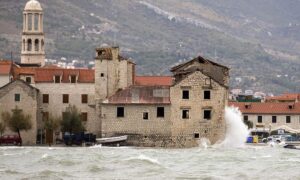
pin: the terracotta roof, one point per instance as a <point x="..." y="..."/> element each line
<point x="267" y="108"/>
<point x="141" y="95"/>
<point x="5" y="67"/>
<point x="284" y="97"/>
<point x="43" y="75"/>
<point x="154" y="80"/>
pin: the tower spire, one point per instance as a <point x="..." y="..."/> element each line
<point x="33" y="51"/>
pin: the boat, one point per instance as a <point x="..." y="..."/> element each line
<point x="291" y="146"/>
<point x="112" y="140"/>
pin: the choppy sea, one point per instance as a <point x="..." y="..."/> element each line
<point x="250" y="162"/>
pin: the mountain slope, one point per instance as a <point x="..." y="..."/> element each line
<point x="258" y="40"/>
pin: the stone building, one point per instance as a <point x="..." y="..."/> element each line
<point x="19" y="94"/>
<point x="163" y="111"/>
<point x="269" y="116"/>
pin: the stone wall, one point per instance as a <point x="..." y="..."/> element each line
<point x="213" y="129"/>
<point x="56" y="107"/>
<point x="4" y="79"/>
<point x="142" y="132"/>
<point x="28" y="103"/>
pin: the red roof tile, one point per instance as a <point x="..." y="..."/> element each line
<point x="5" y="67"/>
<point x="267" y="108"/>
<point x="284" y="97"/>
<point x="142" y="95"/>
<point x="43" y="75"/>
<point x="154" y="80"/>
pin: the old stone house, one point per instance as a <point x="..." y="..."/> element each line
<point x="164" y="111"/>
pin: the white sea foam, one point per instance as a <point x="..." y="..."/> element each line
<point x="236" y="131"/>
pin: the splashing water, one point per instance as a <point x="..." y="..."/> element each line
<point x="236" y="131"/>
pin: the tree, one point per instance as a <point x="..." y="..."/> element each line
<point x="17" y="121"/>
<point x="51" y="124"/>
<point x="2" y="128"/>
<point x="71" y="121"/>
<point x="249" y="124"/>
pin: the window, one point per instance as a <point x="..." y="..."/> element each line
<point x="207" y="114"/>
<point x="259" y="119"/>
<point x="274" y="119"/>
<point x="65" y="98"/>
<point x="120" y="111"/>
<point x="73" y="79"/>
<point x="160" y="112"/>
<point x="288" y="119"/>
<point x="196" y="135"/>
<point x="185" y="114"/>
<point x="102" y="74"/>
<point x="36" y="45"/>
<point x="84" y="116"/>
<point x="45" y="98"/>
<point x="29" y="45"/>
<point x="245" y="118"/>
<point x="84" y="98"/>
<point x="207" y="81"/>
<point x="17" y="97"/>
<point x="57" y="79"/>
<point x="45" y="116"/>
<point x="28" y="80"/>
<point x="206" y="94"/>
<point x="185" y="94"/>
<point x="145" y="116"/>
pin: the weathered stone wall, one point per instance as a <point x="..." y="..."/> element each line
<point x="281" y="120"/>
<point x="4" y="79"/>
<point x="142" y="132"/>
<point x="213" y="129"/>
<point x="28" y="103"/>
<point x="56" y="106"/>
<point x="116" y="74"/>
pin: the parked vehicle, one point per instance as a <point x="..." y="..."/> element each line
<point x="10" y="140"/>
<point x="79" y="138"/>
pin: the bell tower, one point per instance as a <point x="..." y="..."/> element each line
<point x="33" y="51"/>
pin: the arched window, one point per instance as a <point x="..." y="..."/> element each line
<point x="36" y="45"/>
<point x="29" y="45"/>
<point x="42" y="44"/>
<point x="23" y="44"/>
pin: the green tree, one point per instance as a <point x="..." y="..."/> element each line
<point x="71" y="121"/>
<point x="17" y="121"/>
<point x="2" y="128"/>
<point x="52" y="124"/>
<point x="249" y="124"/>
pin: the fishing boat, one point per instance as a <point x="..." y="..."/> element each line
<point x="112" y="140"/>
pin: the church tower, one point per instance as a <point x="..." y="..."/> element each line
<point x="33" y="51"/>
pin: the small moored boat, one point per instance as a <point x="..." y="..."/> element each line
<point x="112" y="140"/>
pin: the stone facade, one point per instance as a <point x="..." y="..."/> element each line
<point x="29" y="104"/>
<point x="174" y="129"/>
<point x="195" y="124"/>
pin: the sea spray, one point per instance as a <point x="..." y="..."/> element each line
<point x="236" y="130"/>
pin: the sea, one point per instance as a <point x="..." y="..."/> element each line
<point x="98" y="162"/>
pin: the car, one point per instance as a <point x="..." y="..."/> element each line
<point x="79" y="138"/>
<point x="10" y="139"/>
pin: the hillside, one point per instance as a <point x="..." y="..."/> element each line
<point x="258" y="40"/>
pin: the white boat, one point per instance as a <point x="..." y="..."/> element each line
<point x="111" y="139"/>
